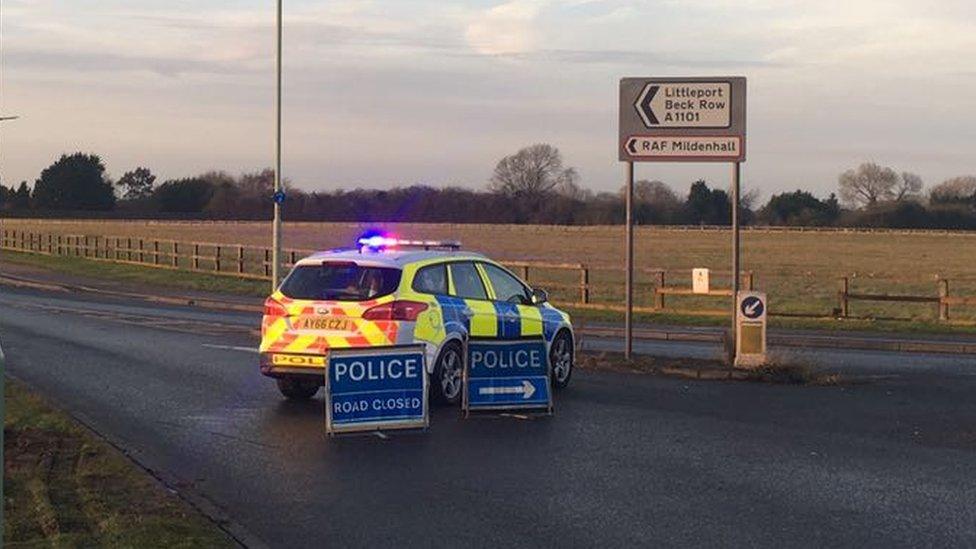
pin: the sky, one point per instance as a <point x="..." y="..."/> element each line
<point x="399" y="92"/>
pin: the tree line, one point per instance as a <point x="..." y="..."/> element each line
<point x="532" y="185"/>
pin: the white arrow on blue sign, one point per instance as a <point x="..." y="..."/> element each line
<point x="753" y="307"/>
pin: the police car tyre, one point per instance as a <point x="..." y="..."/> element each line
<point x="561" y="359"/>
<point x="297" y="389"/>
<point x="447" y="379"/>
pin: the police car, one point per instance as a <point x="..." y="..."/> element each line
<point x="386" y="291"/>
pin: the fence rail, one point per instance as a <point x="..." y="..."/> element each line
<point x="575" y="280"/>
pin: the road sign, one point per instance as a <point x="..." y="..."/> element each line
<point x="695" y="119"/>
<point x="753" y="307"/>
<point x="375" y="389"/>
<point x="278" y="197"/>
<point x="504" y="375"/>
<point x="750" y="329"/>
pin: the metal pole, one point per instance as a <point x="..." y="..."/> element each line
<point x="629" y="314"/>
<point x="276" y="226"/>
<point x="735" y="260"/>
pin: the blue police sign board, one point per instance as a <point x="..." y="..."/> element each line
<point x="377" y="388"/>
<point x="278" y="197"/>
<point x="507" y="375"/>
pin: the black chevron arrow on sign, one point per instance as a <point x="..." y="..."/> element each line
<point x="632" y="145"/>
<point x="645" y="105"/>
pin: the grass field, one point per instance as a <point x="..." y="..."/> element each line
<point x="64" y="487"/>
<point x="799" y="271"/>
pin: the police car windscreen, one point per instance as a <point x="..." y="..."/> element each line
<point x="340" y="282"/>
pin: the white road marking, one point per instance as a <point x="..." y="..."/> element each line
<point x="380" y="434"/>
<point x="231" y="348"/>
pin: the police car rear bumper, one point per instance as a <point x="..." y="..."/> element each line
<point x="284" y="364"/>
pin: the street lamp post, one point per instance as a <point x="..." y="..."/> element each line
<point x="276" y="225"/>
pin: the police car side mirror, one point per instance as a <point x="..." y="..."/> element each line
<point x="539" y="297"/>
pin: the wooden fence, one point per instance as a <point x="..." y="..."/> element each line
<point x="573" y="280"/>
<point x="942" y="300"/>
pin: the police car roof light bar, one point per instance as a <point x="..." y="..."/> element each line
<point x="377" y="243"/>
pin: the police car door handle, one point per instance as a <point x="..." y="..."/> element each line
<point x="467" y="312"/>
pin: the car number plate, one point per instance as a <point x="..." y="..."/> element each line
<point x="322" y="323"/>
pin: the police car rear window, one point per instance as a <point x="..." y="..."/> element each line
<point x="340" y="282"/>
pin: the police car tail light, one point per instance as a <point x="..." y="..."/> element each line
<point x="396" y="310"/>
<point x="274" y="309"/>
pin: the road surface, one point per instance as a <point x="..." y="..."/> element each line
<point x="886" y="460"/>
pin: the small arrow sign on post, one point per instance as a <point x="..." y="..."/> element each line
<point x="752" y="307"/>
<point x="526" y="389"/>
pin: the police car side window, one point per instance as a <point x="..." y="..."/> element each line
<point x="507" y="287"/>
<point x="467" y="281"/>
<point x="431" y="279"/>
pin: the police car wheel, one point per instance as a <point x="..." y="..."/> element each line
<point x="297" y="389"/>
<point x="447" y="381"/>
<point x="561" y="359"/>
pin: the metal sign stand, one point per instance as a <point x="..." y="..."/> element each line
<point x="629" y="314"/>
<point x="733" y="347"/>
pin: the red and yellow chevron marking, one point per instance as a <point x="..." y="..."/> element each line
<point x="278" y="336"/>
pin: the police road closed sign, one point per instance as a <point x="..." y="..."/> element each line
<point x="507" y="375"/>
<point x="693" y="119"/>
<point x="377" y="388"/>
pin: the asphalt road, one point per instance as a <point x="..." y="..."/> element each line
<point x="888" y="459"/>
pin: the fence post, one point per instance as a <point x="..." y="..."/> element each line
<point x="142" y="255"/>
<point x="240" y="259"/>
<point x="842" y="295"/>
<point x="525" y="273"/>
<point x="294" y="257"/>
<point x="176" y="254"/>
<point x="751" y="281"/>
<point x="217" y="258"/>
<point x="658" y="294"/>
<point x="196" y="256"/>
<point x="59" y="245"/>
<point x="584" y="284"/>
<point x="267" y="262"/>
<point x="128" y="249"/>
<point x="943" y="303"/>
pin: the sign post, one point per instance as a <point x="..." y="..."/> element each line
<point x="376" y="388"/>
<point x="750" y="333"/>
<point x="506" y="375"/>
<point x="693" y="119"/>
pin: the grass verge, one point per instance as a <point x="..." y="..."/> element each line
<point x="183" y="280"/>
<point x="64" y="487"/>
<point x="689" y="368"/>
<point x="134" y="274"/>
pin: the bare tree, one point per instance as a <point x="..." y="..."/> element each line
<point x="570" y="187"/>
<point x="956" y="189"/>
<point x="532" y="172"/>
<point x="909" y="187"/>
<point x="868" y="184"/>
<point x="651" y="192"/>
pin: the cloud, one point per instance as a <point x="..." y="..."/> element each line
<point x="506" y="28"/>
